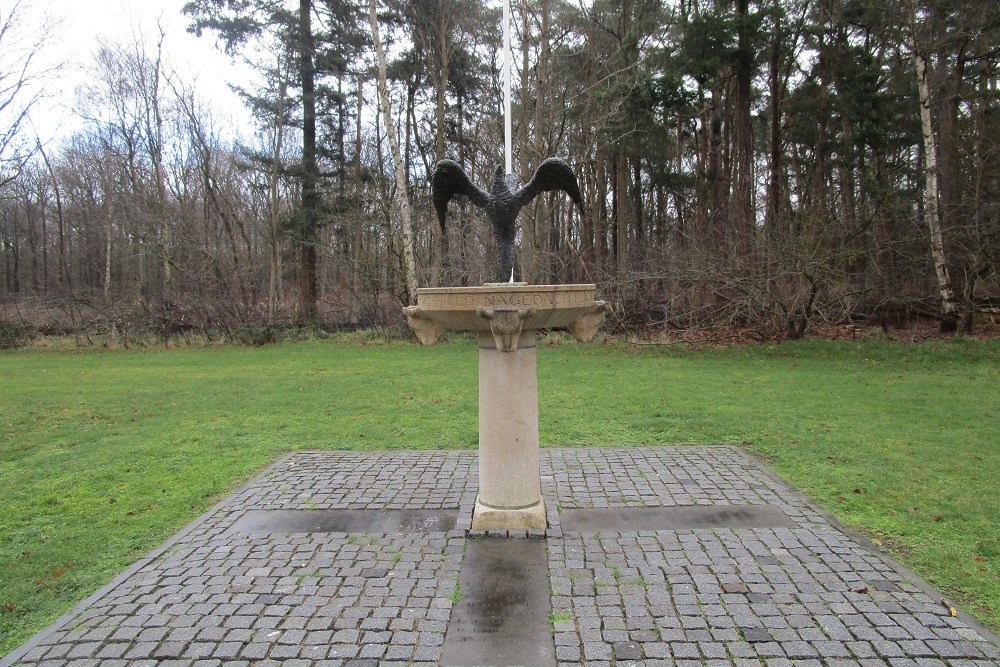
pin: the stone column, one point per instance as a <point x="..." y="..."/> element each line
<point x="510" y="493"/>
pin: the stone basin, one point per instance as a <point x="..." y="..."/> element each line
<point x="505" y="310"/>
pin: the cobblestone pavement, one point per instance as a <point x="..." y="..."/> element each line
<point x="805" y="596"/>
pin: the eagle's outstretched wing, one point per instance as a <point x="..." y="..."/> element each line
<point x="450" y="181"/>
<point x="552" y="174"/>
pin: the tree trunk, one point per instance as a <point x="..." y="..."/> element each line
<point x="274" y="264"/>
<point x="716" y="181"/>
<point x="774" y="190"/>
<point x="949" y="307"/>
<point x="359" y="233"/>
<point x="64" y="280"/>
<point x="743" y="131"/>
<point x="545" y="240"/>
<point x="440" y="85"/>
<point x="601" y="231"/>
<point x="441" y="78"/>
<point x="308" y="284"/>
<point x="107" y="262"/>
<point x="528" y="256"/>
<point x="397" y="159"/>
<point x="154" y="130"/>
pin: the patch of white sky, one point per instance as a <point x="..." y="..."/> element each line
<point x="74" y="30"/>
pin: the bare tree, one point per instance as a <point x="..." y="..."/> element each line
<point x="21" y="77"/>
<point x="397" y="159"/>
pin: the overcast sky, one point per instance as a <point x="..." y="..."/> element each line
<point x="81" y="24"/>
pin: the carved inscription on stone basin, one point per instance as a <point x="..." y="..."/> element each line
<point x="441" y="309"/>
<point x="559" y="299"/>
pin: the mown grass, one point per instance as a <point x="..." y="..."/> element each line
<point x="104" y="454"/>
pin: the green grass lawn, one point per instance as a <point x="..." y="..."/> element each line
<point x="104" y="454"/>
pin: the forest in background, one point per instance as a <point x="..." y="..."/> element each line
<point x="768" y="164"/>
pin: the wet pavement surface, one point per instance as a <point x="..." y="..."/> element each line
<point x="659" y="556"/>
<point x="502" y="611"/>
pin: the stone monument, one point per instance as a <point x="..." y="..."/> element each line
<point x="506" y="317"/>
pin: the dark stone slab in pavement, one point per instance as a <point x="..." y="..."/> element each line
<point x="502" y="617"/>
<point x="269" y="522"/>
<point x="674" y="518"/>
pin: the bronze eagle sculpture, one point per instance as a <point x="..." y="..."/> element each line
<point x="503" y="201"/>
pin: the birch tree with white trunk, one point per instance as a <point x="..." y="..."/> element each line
<point x="402" y="197"/>
<point x="932" y="216"/>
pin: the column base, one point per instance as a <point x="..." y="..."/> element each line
<point x="485" y="517"/>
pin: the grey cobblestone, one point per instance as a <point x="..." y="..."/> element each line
<point x="788" y="591"/>
<point x="781" y="597"/>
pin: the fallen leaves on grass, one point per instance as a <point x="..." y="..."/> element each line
<point x="9" y="607"/>
<point x="56" y="573"/>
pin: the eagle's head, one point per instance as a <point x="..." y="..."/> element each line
<point x="500" y="184"/>
<point x="503" y="182"/>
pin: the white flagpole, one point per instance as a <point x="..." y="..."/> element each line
<point x="508" y="142"/>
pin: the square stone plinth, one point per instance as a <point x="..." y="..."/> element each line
<point x="485" y="517"/>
